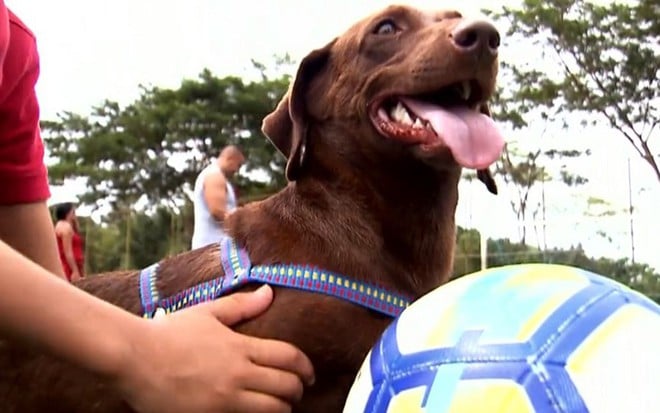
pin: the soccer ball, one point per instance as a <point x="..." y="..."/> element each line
<point x="517" y="339"/>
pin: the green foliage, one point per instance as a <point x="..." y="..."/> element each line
<point x="607" y="64"/>
<point x="129" y="153"/>
<point x="103" y="246"/>
<point x="523" y="174"/>
<point x="640" y="277"/>
<point x="599" y="62"/>
<point x="136" y="241"/>
<point x="163" y="233"/>
<point x="157" y="235"/>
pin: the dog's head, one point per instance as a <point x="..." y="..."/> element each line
<point x="407" y="83"/>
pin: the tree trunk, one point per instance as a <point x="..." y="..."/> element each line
<point x="648" y="157"/>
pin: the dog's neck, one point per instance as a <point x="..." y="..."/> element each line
<point x="397" y="229"/>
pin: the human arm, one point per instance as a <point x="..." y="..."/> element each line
<point x="28" y="228"/>
<point x="215" y="195"/>
<point x="186" y="361"/>
<point x="25" y="222"/>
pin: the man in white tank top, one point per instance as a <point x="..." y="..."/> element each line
<point x="214" y="196"/>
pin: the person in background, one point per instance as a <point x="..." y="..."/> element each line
<point x="214" y="197"/>
<point x="188" y="361"/>
<point x="69" y="241"/>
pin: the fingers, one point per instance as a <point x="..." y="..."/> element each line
<point x="255" y="402"/>
<point x="281" y="355"/>
<point x="278" y="383"/>
<point x="237" y="307"/>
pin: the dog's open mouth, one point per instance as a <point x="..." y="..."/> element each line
<point x="450" y="117"/>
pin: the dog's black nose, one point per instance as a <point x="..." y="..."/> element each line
<point x="476" y="36"/>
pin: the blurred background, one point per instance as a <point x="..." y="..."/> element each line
<point x="136" y="96"/>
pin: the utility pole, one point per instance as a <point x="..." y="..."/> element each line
<point x="484" y="250"/>
<point x="630" y="211"/>
<point x="545" y="242"/>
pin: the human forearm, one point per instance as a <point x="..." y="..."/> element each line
<point x="219" y="214"/>
<point x="80" y="328"/>
<point x="149" y="362"/>
<point x="28" y="229"/>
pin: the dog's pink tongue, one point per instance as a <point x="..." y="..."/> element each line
<point x="473" y="138"/>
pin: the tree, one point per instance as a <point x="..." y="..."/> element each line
<point x="103" y="246"/>
<point x="524" y="175"/>
<point x="608" y="60"/>
<point x="528" y="163"/>
<point x="151" y="150"/>
<point x="640" y="277"/>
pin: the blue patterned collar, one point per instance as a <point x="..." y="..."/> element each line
<point x="238" y="271"/>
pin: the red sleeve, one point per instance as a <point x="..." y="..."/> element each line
<point x="4" y="34"/>
<point x="23" y="173"/>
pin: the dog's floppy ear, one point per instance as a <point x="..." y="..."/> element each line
<point x="286" y="126"/>
<point x="484" y="175"/>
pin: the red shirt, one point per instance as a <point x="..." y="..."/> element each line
<point x="78" y="254"/>
<point x="23" y="174"/>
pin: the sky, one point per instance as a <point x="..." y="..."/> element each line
<point x="93" y="50"/>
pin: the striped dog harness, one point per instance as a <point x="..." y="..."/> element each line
<point x="238" y="271"/>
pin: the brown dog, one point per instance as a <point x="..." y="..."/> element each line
<point x="376" y="128"/>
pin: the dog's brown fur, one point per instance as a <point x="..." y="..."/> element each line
<point x="358" y="204"/>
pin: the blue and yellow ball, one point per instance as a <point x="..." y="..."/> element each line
<point x="517" y="339"/>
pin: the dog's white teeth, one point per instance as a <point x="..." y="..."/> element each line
<point x="465" y="89"/>
<point x="400" y="114"/>
<point x="418" y="124"/>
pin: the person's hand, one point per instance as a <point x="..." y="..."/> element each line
<point x="75" y="276"/>
<point x="188" y="361"/>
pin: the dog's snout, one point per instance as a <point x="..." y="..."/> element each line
<point x="476" y="36"/>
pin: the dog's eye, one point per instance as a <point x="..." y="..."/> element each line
<point x="386" y="27"/>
